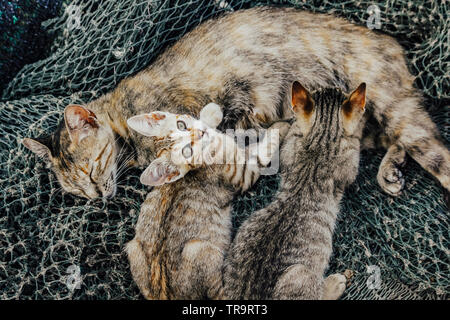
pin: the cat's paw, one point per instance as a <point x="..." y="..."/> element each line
<point x="211" y="115"/>
<point x="391" y="179"/>
<point x="334" y="286"/>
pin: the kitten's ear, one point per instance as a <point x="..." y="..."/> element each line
<point x="353" y="108"/>
<point x="80" y="122"/>
<point x="211" y="115"/>
<point x="303" y="106"/>
<point x="160" y="172"/>
<point x="148" y="124"/>
<point x="38" y="146"/>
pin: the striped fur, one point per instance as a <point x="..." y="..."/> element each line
<point x="184" y="228"/>
<point x="282" y="251"/>
<point x="246" y="62"/>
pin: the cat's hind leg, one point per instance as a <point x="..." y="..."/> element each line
<point x="200" y="271"/>
<point x="334" y="286"/>
<point x="139" y="267"/>
<point x="433" y="156"/>
<point x="298" y="282"/>
<point x="410" y="127"/>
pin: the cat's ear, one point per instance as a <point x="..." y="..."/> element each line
<point x="161" y="171"/>
<point x="353" y="108"/>
<point x="303" y="106"/>
<point x="38" y="146"/>
<point x="80" y="122"/>
<point x="211" y="115"/>
<point x="148" y="124"/>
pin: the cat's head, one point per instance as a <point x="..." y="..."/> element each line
<point x="82" y="152"/>
<point x="328" y="110"/>
<point x="187" y="142"/>
<point x="329" y="125"/>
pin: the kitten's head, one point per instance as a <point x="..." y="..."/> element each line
<point x="186" y="142"/>
<point x="330" y="124"/>
<point x="328" y="110"/>
<point x="82" y="152"/>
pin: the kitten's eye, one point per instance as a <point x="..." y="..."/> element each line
<point x="187" y="151"/>
<point x="181" y="125"/>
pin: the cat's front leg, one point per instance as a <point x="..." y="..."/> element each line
<point x="200" y="271"/>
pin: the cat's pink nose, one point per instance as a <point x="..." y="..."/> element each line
<point x="198" y="134"/>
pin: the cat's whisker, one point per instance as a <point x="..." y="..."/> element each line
<point x="120" y="154"/>
<point x="124" y="167"/>
<point x="125" y="163"/>
<point x="123" y="160"/>
<point x="55" y="192"/>
<point x="121" y="174"/>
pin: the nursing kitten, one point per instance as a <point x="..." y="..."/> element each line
<point x="282" y="251"/>
<point x="249" y="72"/>
<point x="184" y="228"/>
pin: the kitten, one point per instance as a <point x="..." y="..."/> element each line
<point x="183" y="230"/>
<point x="249" y="72"/>
<point x="282" y="251"/>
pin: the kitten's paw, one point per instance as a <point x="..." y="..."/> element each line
<point x="334" y="286"/>
<point x="211" y="115"/>
<point x="391" y="180"/>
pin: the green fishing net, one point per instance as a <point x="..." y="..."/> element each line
<point x="56" y="246"/>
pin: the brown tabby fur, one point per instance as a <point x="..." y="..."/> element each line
<point x="246" y="61"/>
<point x="184" y="228"/>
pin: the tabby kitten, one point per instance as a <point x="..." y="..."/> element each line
<point x="183" y="230"/>
<point x="282" y="251"/>
<point x="249" y="72"/>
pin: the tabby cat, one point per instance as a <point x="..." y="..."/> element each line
<point x="282" y="251"/>
<point x="246" y="62"/>
<point x="184" y="228"/>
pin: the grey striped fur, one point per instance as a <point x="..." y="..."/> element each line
<point x="282" y="251"/>
<point x="184" y="228"/>
<point x="246" y="62"/>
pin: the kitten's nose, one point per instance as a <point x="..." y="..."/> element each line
<point x="199" y="134"/>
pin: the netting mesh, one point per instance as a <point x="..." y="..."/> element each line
<point x="97" y="43"/>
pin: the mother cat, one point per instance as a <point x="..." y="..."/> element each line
<point x="246" y="61"/>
